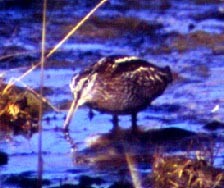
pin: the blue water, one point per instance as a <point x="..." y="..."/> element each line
<point x="196" y="94"/>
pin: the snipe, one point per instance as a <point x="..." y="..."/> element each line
<point x="118" y="85"/>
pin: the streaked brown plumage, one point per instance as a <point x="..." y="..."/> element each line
<point x="119" y="85"/>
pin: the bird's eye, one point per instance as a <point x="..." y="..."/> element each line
<point x="86" y="82"/>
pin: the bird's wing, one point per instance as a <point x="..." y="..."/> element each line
<point x="145" y="76"/>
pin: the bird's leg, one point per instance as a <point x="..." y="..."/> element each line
<point x="115" y="121"/>
<point x="134" y="121"/>
<point x="90" y="114"/>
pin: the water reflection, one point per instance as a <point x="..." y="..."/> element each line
<point x="127" y="154"/>
<point x="111" y="148"/>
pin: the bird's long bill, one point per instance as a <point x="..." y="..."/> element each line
<point x="71" y="111"/>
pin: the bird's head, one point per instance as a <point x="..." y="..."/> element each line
<point x="81" y="87"/>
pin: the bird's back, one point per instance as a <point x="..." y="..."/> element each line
<point x="125" y="84"/>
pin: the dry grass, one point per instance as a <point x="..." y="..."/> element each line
<point x="197" y="39"/>
<point x="19" y="107"/>
<point x="19" y="110"/>
<point x="110" y="27"/>
<point x="207" y="1"/>
<point x="183" y="172"/>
